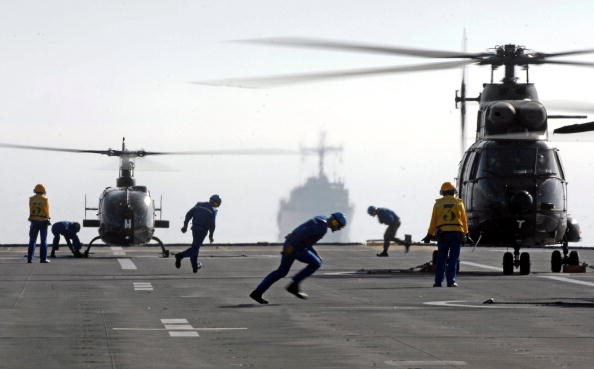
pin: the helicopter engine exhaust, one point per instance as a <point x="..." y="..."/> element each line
<point x="532" y="115"/>
<point x="501" y="116"/>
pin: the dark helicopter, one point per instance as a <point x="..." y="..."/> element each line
<point x="126" y="215"/>
<point x="511" y="179"/>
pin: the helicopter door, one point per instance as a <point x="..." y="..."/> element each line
<point x="470" y="179"/>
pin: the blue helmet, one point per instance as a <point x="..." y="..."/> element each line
<point x="340" y="218"/>
<point x="371" y="210"/>
<point x="215" y="200"/>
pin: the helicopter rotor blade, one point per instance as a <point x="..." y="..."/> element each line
<point x="575" y="128"/>
<point x="286" y="79"/>
<point x="359" y="47"/>
<point x="564" y="62"/>
<point x="271" y="151"/>
<point x="463" y="102"/>
<point x="563" y="53"/>
<point x="45" y="148"/>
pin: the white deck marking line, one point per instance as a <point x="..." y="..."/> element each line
<point x="118" y="251"/>
<point x="568" y="280"/>
<point x="193" y="329"/>
<point x="460" y="303"/>
<point x="174" y="321"/>
<point x="480" y="265"/>
<point x="142" y="286"/>
<point x="127" y="264"/>
<point x="555" y="278"/>
<point x="183" y="334"/>
<point x="181" y="327"/>
<point x="420" y="363"/>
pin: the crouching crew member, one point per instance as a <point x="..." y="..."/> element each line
<point x="69" y="231"/>
<point x="203" y="216"/>
<point x="450" y="226"/>
<point x="299" y="246"/>
<point x="40" y="219"/>
<point x="389" y="218"/>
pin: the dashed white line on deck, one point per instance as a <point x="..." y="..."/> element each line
<point x="127" y="264"/>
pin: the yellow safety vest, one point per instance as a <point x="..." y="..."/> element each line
<point x="448" y="215"/>
<point x="38" y="207"/>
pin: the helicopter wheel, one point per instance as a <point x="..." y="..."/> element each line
<point x="85" y="254"/>
<point x="574" y="258"/>
<point x="508" y="263"/>
<point x="166" y="253"/>
<point x="556" y="261"/>
<point x="525" y="263"/>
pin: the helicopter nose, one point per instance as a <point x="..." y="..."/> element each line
<point x="521" y="202"/>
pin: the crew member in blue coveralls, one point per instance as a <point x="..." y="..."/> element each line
<point x="299" y="246"/>
<point x="40" y="218"/>
<point x="389" y="218"/>
<point x="450" y="226"/>
<point x="203" y="216"/>
<point x="69" y="231"/>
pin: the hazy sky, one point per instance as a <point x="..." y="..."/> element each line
<point x="85" y="73"/>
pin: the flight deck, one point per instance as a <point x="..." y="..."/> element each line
<point x="130" y="308"/>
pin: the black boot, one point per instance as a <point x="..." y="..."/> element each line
<point x="383" y="253"/>
<point x="178" y="259"/>
<point x="294" y="289"/>
<point x="257" y="296"/>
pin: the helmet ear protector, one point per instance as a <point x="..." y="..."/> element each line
<point x="371" y="210"/>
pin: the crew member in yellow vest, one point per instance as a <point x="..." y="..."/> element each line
<point x="40" y="219"/>
<point x="450" y="227"/>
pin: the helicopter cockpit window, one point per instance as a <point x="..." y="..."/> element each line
<point x="507" y="161"/>
<point x="140" y="202"/>
<point x="546" y="164"/>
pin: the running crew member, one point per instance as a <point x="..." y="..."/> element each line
<point x="389" y="218"/>
<point x="299" y="246"/>
<point x="203" y="216"/>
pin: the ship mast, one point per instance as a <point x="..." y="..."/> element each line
<point x="321" y="150"/>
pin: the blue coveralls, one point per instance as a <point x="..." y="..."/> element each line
<point x="203" y="216"/>
<point x="66" y="230"/>
<point x="299" y="246"/>
<point x="38" y="227"/>
<point x="448" y="252"/>
<point x="389" y="218"/>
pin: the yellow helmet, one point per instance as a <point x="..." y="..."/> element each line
<point x="447" y="186"/>
<point x="39" y="188"/>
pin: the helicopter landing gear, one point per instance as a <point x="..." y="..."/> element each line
<point x="164" y="251"/>
<point x="515" y="260"/>
<point x="508" y="263"/>
<point x="568" y="258"/>
<point x="525" y="263"/>
<point x="86" y="253"/>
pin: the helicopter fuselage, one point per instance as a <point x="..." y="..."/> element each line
<point x="515" y="193"/>
<point x="126" y="216"/>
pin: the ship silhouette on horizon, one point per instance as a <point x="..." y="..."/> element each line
<point x="317" y="196"/>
